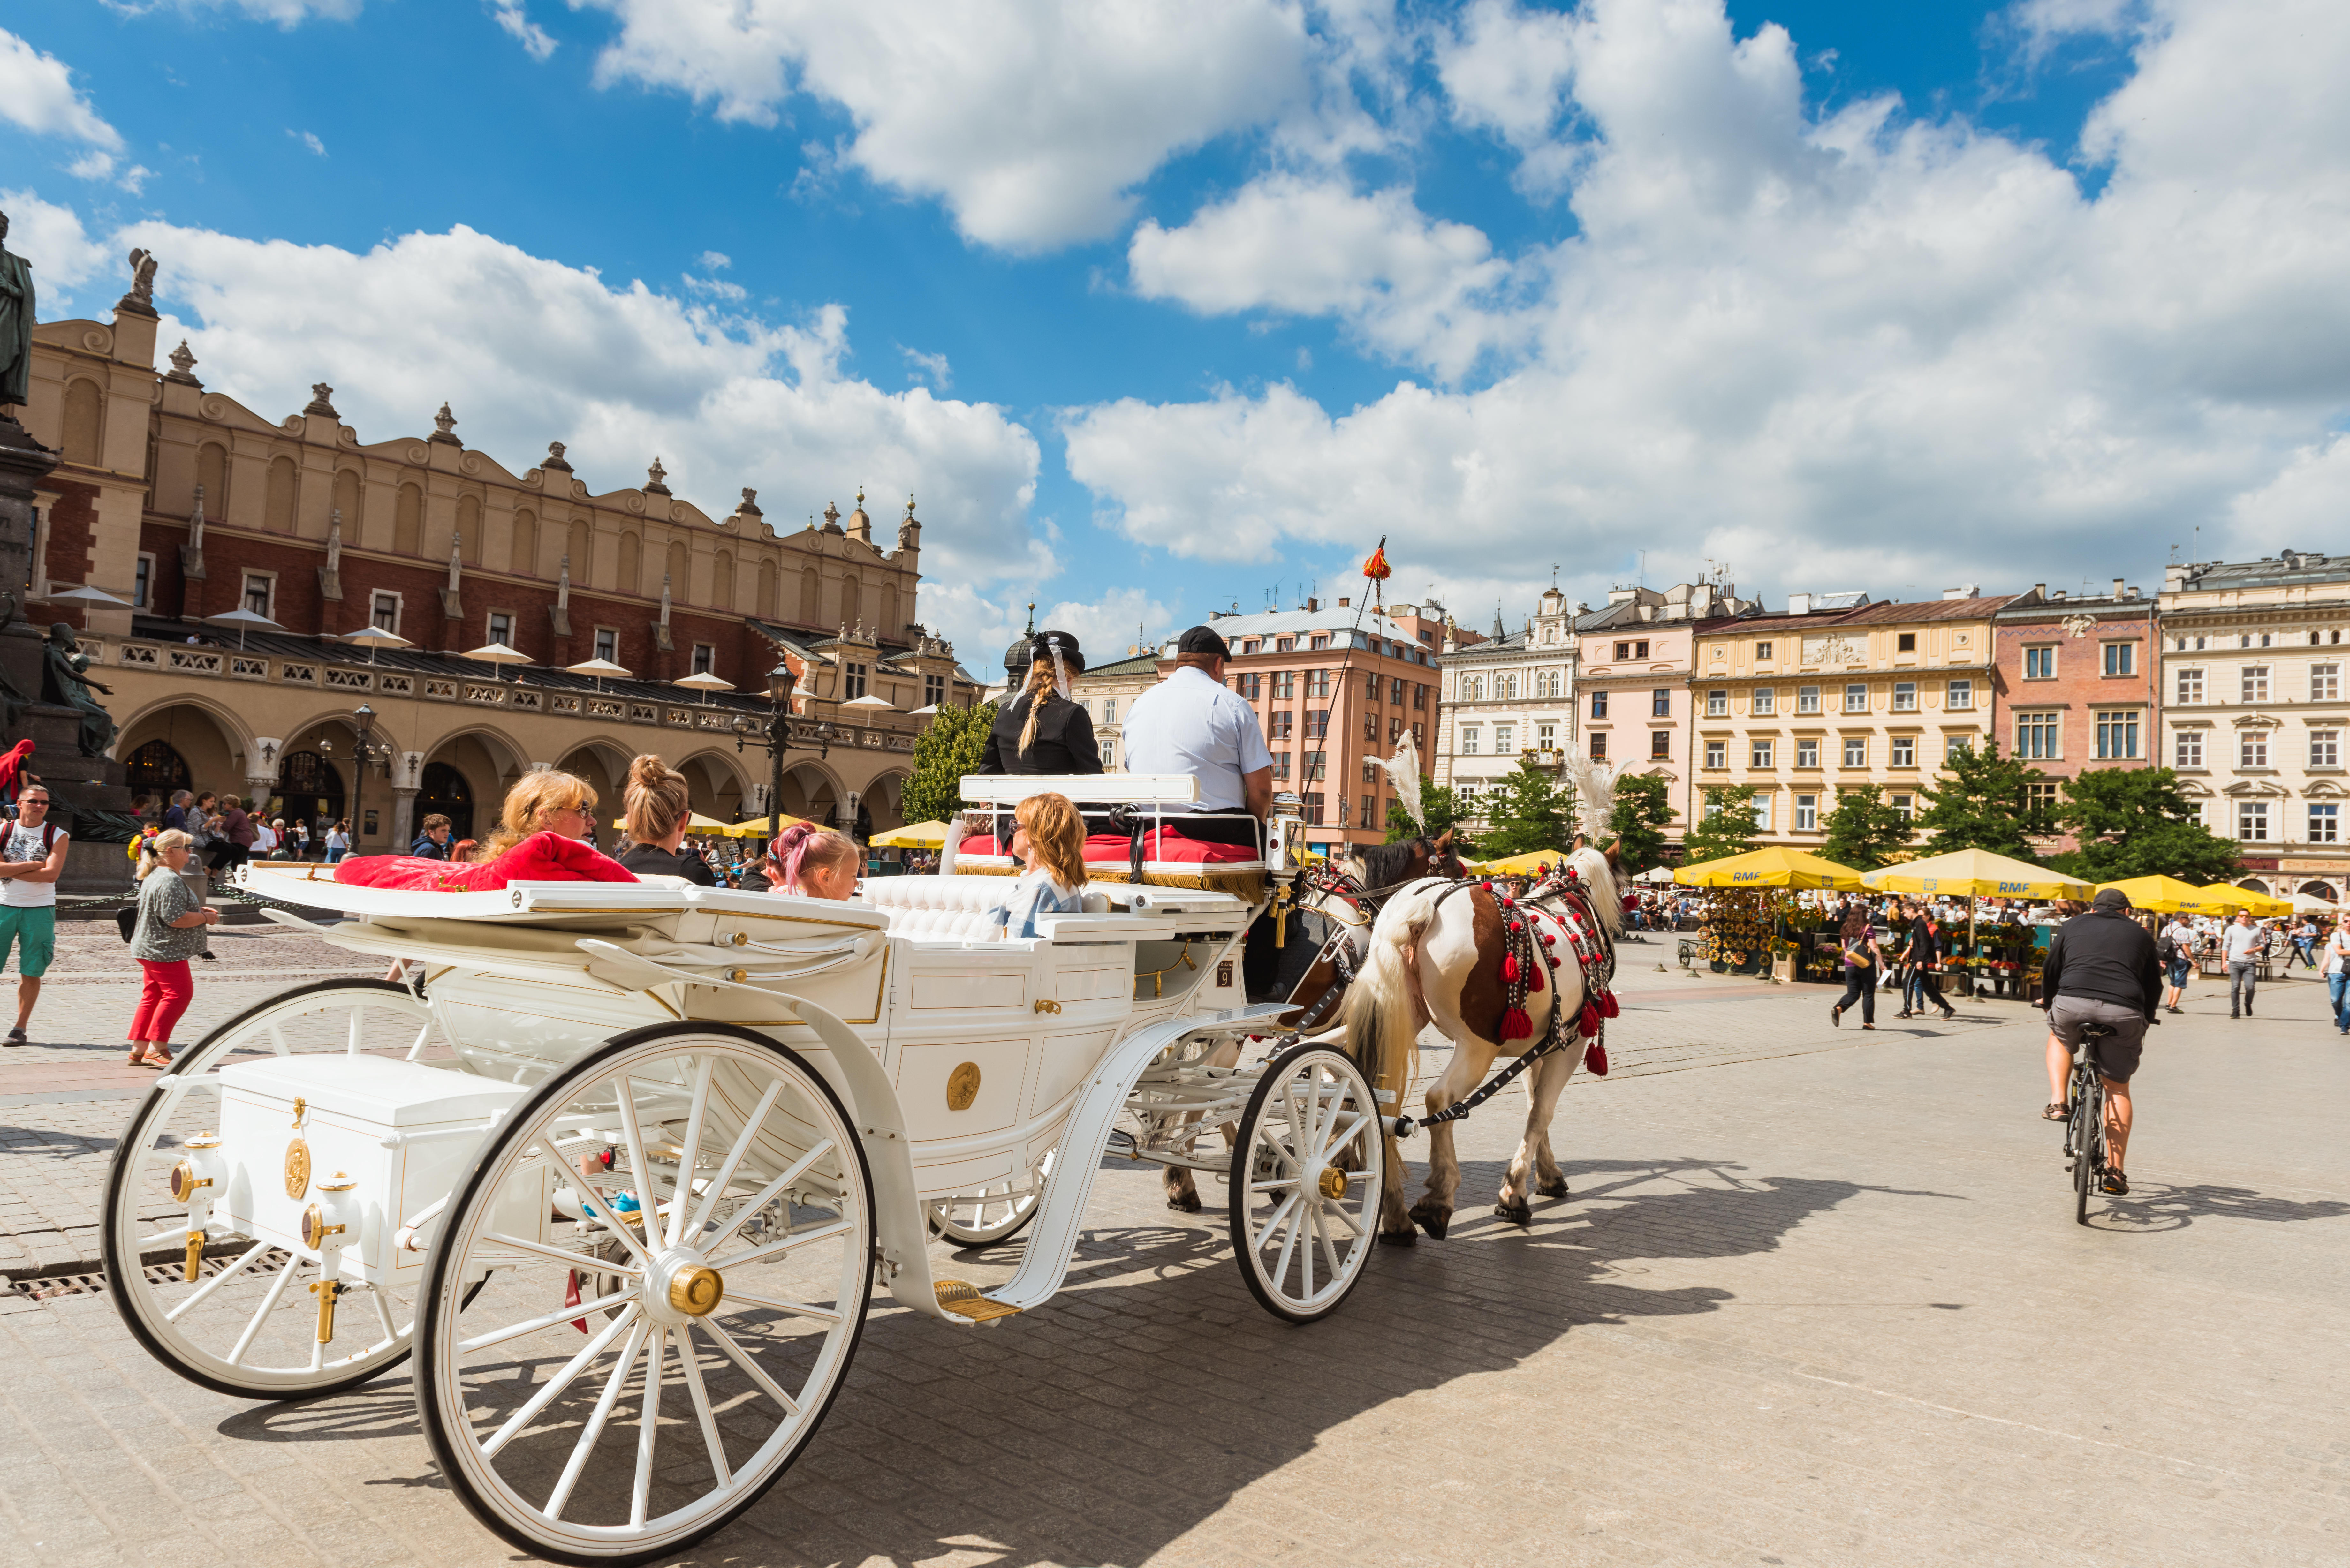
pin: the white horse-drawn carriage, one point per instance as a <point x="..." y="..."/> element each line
<point x="622" y="1175"/>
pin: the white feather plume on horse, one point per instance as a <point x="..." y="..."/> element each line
<point x="1595" y="795"/>
<point x="1403" y="777"/>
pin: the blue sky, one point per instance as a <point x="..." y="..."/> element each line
<point x="1156" y="320"/>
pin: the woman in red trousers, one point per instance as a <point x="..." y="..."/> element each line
<point x="170" y="932"/>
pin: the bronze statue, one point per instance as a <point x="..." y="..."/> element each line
<point x="64" y="683"/>
<point x="16" y="325"/>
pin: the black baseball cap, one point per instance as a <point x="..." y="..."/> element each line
<point x="2110" y="900"/>
<point x="1203" y="640"/>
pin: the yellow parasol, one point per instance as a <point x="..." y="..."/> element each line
<point x="2225" y="900"/>
<point x="1775" y="866"/>
<point x="705" y="826"/>
<point x="1525" y="865"/>
<point x="2165" y="895"/>
<point x="918" y="836"/>
<point x="1977" y="874"/>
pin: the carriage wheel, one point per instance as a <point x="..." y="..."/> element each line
<point x="616" y="1427"/>
<point x="1306" y="1178"/>
<point x="995" y="1213"/>
<point x="247" y="1325"/>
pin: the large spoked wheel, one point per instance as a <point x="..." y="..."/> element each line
<point x="632" y="1378"/>
<point x="2088" y="1136"/>
<point x="1306" y="1178"/>
<point x="247" y="1325"/>
<point x="996" y="1212"/>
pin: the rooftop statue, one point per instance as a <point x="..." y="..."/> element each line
<point x="15" y="324"/>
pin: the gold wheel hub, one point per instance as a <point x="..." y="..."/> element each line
<point x="695" y="1290"/>
<point x="1333" y="1183"/>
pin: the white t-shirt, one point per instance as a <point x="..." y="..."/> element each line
<point x="2246" y="942"/>
<point x="24" y="844"/>
<point x="1189" y="723"/>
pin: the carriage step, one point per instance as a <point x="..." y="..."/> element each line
<point x="962" y="1299"/>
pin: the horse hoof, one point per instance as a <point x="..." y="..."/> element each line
<point x="1183" y="1202"/>
<point x="1515" y="1213"/>
<point x="1433" y="1219"/>
<point x="1552" y="1188"/>
<point x="1407" y="1237"/>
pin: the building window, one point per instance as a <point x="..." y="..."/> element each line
<point x="852" y="681"/>
<point x="385" y="615"/>
<point x="2190" y="686"/>
<point x="2256" y="684"/>
<point x="1249" y="645"/>
<point x="1807" y="699"/>
<point x="1631" y="650"/>
<point x="1717" y="754"/>
<point x="2253" y="749"/>
<point x="1765" y="700"/>
<point x="1660" y="704"/>
<point x="1807" y="810"/>
<point x="2116" y="736"/>
<point x="1762" y="813"/>
<point x="1285" y="645"/>
<point x="1904" y="696"/>
<point x="2325" y="748"/>
<point x="2188" y="749"/>
<point x="1284" y="685"/>
<point x="1469" y="740"/>
<point x="1282" y="723"/>
<point x="934" y="692"/>
<point x="1505" y="739"/>
<point x="2252" y="821"/>
<point x="1961" y="696"/>
<point x="1807" y="753"/>
<point x="1371" y="726"/>
<point x="1317" y="723"/>
<point x="1317" y="683"/>
<point x="1856" y="750"/>
<point x="1395" y="729"/>
<point x="1547" y="735"/>
<point x="2121" y="659"/>
<point x="1281" y="764"/>
<point x="1311" y="803"/>
<point x="1758" y="755"/>
<point x="1109" y="753"/>
<point x="1855" y="698"/>
<point x="1316" y="641"/>
<point x="1370" y="811"/>
<point x="1250" y="685"/>
<point x="608" y="644"/>
<point x="1109" y="709"/>
<point x="1906" y="642"/>
<point x="2324" y="683"/>
<point x="2324" y="823"/>
<point x="260" y="588"/>
<point x="1317" y="766"/>
<point x="1599" y="704"/>
<point x="1371" y="687"/>
<point x="142" y="583"/>
<point x="2040" y="663"/>
<point x="1598" y="745"/>
<point x="500" y="628"/>
<point x="1417" y="737"/>
<point x="1903" y="805"/>
<point x="1660" y="746"/>
<point x="1762" y="650"/>
<point x="2036" y="736"/>
<point x="1717" y="704"/>
<point x="1905" y="751"/>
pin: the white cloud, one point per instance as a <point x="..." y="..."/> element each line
<point x="717" y="288"/>
<point x="1410" y="286"/>
<point x="134" y="179"/>
<point x="92" y="165"/>
<point x="982" y="625"/>
<point x="1507" y="71"/>
<point x="1031" y="122"/>
<point x="36" y="92"/>
<point x="309" y="139"/>
<point x="51" y="238"/>
<point x="712" y="260"/>
<point x="536" y="41"/>
<point x="287" y="14"/>
<point x="1851" y="351"/>
<point x="931" y="367"/>
<point x="529" y="350"/>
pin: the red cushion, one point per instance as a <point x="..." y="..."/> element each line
<point x="541" y="857"/>
<point x="1161" y="847"/>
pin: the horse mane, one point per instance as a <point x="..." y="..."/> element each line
<point x="1385" y="865"/>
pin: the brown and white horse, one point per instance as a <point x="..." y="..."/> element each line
<point x="1437" y="955"/>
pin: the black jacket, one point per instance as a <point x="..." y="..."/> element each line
<point x="2108" y="957"/>
<point x="652" y="861"/>
<point x="1064" y="743"/>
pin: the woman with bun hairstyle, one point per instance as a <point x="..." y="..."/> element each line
<point x="657" y="811"/>
<point x="814" y="862"/>
<point x="1050" y="841"/>
<point x="1042" y="731"/>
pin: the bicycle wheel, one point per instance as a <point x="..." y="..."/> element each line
<point x="2088" y="1146"/>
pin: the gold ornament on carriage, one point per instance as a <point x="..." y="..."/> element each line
<point x="297" y="1155"/>
<point x="962" y="1086"/>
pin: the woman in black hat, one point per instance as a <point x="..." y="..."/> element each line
<point x="1041" y="731"/>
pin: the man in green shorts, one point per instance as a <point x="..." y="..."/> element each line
<point x="32" y="858"/>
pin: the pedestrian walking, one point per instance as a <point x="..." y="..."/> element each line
<point x="1862" y="960"/>
<point x="2304" y="943"/>
<point x="2244" y="944"/>
<point x="1925" y="954"/>
<point x="170" y="930"/>
<point x="32" y="858"/>
<point x="339" y="841"/>
<point x="2175" y="951"/>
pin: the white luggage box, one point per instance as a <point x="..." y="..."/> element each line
<point x="352" y="1107"/>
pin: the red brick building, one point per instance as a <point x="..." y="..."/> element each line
<point x="2074" y="682"/>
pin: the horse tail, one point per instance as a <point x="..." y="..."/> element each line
<point x="1383" y="1008"/>
<point x="1598" y="874"/>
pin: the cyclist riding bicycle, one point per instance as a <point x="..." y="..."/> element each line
<point x="2101" y="968"/>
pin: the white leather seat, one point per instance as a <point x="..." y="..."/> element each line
<point x="948" y="908"/>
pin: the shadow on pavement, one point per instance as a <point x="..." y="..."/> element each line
<point x="2153" y="1207"/>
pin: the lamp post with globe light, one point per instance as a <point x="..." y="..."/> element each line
<point x="780" y="683"/>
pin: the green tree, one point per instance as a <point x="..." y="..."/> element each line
<point x="1865" y="830"/>
<point x="2134" y="822"/>
<point x="1440" y="802"/>
<point x="1643" y="810"/>
<point x="1726" y="824"/>
<point x="1984" y="801"/>
<point x="949" y="748"/>
<point x="1531" y="813"/>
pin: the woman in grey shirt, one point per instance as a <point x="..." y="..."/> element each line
<point x="169" y="931"/>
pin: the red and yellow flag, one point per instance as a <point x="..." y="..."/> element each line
<point x="1377" y="568"/>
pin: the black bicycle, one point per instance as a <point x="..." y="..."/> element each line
<point x="2084" y="1128"/>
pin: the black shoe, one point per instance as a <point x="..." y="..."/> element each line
<point x="15" y="1037"/>
<point x="2115" y="1184"/>
<point x="1948" y="1014"/>
<point x="1835" y="1017"/>
<point x="2235" y="1015"/>
<point x="208" y="957"/>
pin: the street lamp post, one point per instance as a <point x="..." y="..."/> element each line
<point x="780" y="681"/>
<point x="363" y="720"/>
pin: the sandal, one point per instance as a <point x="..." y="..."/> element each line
<point x="153" y="1057"/>
<point x="2055" y="1112"/>
<point x="2117" y="1185"/>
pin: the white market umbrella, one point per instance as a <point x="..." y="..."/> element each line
<point x="375" y="637"/>
<point x="497" y="653"/>
<point x="244" y="620"/>
<point x="84" y="596"/>
<point x="702" y="681"/>
<point x="870" y="701"/>
<point x="598" y="668"/>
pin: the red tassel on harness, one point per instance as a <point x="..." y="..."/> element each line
<point x="1608" y="1008"/>
<point x="1533" y="979"/>
<point x="1589" y="1020"/>
<point x="1516" y="1025"/>
<point x="1510" y="968"/>
<point x="1595" y="1058"/>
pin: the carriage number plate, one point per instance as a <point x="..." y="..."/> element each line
<point x="1224" y="973"/>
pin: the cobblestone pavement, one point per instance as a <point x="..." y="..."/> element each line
<point x="1817" y="1299"/>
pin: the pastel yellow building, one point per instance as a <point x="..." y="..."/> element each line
<point x="1819" y="699"/>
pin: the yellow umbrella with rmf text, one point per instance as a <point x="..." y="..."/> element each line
<point x="2226" y="900"/>
<point x="2163" y="895"/>
<point x="914" y="835"/>
<point x="1975" y="874"/>
<point x="1775" y="866"/>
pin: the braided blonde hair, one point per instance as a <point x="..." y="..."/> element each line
<point x="1041" y="690"/>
